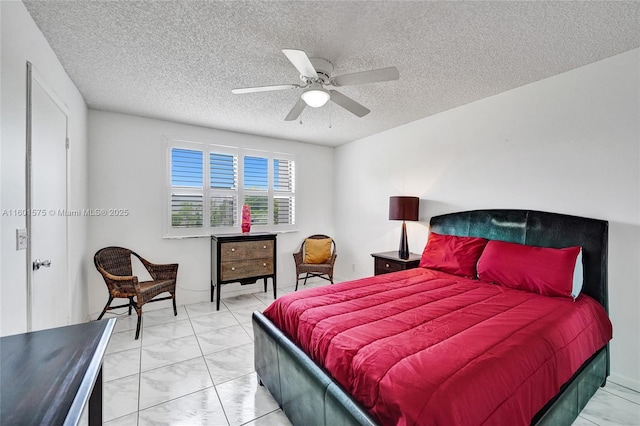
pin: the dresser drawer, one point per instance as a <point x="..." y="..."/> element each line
<point x="243" y="250"/>
<point x="239" y="269"/>
<point x="384" y="266"/>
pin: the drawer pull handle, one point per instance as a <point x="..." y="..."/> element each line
<point x="264" y="264"/>
<point x="386" y="265"/>
<point x="264" y="247"/>
<point x="233" y="249"/>
<point x="233" y="268"/>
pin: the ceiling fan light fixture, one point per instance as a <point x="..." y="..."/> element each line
<point x="315" y="96"/>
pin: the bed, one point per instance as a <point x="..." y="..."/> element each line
<point x="324" y="368"/>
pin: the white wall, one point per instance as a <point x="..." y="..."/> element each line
<point x="567" y="144"/>
<point x="127" y="158"/>
<point x="22" y="41"/>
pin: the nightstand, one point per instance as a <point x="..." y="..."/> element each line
<point x="389" y="261"/>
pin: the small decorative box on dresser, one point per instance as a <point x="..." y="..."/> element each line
<point x="243" y="258"/>
<point x="389" y="261"/>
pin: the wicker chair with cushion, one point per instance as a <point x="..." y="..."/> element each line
<point x="316" y="258"/>
<point x="114" y="263"/>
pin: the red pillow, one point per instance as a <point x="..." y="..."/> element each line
<point x="451" y="254"/>
<point x="542" y="270"/>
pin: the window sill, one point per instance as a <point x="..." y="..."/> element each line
<point x="184" y="237"/>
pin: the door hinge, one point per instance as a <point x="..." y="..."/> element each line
<point x="67" y="143"/>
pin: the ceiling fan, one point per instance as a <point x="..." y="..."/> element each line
<point x="315" y="74"/>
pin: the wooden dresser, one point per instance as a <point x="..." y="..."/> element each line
<point x="243" y="258"/>
<point x="54" y="376"/>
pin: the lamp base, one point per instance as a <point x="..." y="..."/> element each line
<point x="403" y="251"/>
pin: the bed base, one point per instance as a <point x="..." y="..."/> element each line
<point x="306" y="394"/>
<point x="309" y="396"/>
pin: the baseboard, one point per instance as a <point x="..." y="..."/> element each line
<point x="228" y="290"/>
<point x="338" y="279"/>
<point x="625" y="381"/>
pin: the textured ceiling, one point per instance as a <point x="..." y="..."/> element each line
<point x="179" y="60"/>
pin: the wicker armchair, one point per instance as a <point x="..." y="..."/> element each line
<point x="114" y="263"/>
<point x="321" y="270"/>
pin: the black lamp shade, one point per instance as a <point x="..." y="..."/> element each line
<point x="403" y="208"/>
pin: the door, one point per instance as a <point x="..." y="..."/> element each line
<point x="48" y="290"/>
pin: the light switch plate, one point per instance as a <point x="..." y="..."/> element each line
<point x="21" y="239"/>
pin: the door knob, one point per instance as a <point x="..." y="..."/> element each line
<point x="37" y="264"/>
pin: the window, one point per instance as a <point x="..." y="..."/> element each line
<point x="207" y="185"/>
<point x="186" y="188"/>
<point x="224" y="190"/>
<point x="256" y="188"/>
<point x="283" y="192"/>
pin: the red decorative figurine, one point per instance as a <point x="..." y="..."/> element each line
<point x="246" y="219"/>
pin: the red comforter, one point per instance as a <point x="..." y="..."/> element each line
<point x="429" y="348"/>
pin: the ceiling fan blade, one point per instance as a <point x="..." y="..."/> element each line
<point x="264" y="88"/>
<point x="301" y="61"/>
<point x="373" y="76"/>
<point x="296" y="110"/>
<point x="349" y="104"/>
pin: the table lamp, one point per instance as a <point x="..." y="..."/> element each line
<point x="403" y="208"/>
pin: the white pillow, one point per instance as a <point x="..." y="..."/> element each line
<point x="578" y="276"/>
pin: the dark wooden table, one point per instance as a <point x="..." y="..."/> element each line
<point x="47" y="377"/>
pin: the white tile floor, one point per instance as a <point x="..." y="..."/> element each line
<point x="197" y="369"/>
